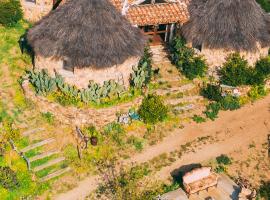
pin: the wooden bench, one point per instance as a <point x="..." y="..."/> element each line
<point x="199" y="179"/>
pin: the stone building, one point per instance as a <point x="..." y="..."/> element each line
<point x="156" y="18"/>
<point x="218" y="28"/>
<point x="34" y="10"/>
<point x="86" y="40"/>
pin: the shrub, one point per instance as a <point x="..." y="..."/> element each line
<point x="8" y="179"/>
<point x="187" y="62"/>
<point x="235" y="71"/>
<point x="220" y="169"/>
<point x="263" y="66"/>
<point x="198" y="119"/>
<point x="152" y="109"/>
<point x="212" y="92"/>
<point x="265" y="4"/>
<point x="257" y="92"/>
<point x="230" y="103"/>
<point x="223" y="160"/>
<point x="212" y="110"/>
<point x="10" y="12"/>
<point x="49" y="117"/>
<point x="264" y="190"/>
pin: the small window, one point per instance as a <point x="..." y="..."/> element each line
<point x="67" y="67"/>
<point x="31" y="1"/>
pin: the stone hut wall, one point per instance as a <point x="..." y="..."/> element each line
<point x="217" y="57"/>
<point x="81" y="77"/>
<point x="34" y="10"/>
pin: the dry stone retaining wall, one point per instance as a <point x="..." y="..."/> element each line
<point x="78" y="116"/>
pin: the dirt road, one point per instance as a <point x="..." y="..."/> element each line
<point x="243" y="126"/>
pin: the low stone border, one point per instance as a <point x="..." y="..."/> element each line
<point x="78" y="116"/>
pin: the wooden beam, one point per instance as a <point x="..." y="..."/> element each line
<point x="166" y="33"/>
<point x="171" y="32"/>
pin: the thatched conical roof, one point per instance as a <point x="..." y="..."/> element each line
<point x="86" y="33"/>
<point x="228" y="24"/>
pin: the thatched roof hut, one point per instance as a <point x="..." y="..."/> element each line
<point x="228" y="25"/>
<point x="88" y="37"/>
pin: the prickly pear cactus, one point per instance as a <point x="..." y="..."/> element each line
<point x="141" y="75"/>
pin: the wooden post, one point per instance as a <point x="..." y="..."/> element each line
<point x="268" y="138"/>
<point x="171" y="32"/>
<point x="166" y="34"/>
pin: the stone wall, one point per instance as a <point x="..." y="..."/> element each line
<point x="81" y="77"/>
<point x="34" y="11"/>
<point x="217" y="57"/>
<point x="79" y="116"/>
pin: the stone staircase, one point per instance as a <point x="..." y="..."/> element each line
<point x="45" y="160"/>
<point x="160" y="54"/>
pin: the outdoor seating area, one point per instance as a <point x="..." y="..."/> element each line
<point x="202" y="184"/>
<point x="199" y="179"/>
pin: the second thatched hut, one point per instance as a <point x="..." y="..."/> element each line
<point x="86" y="40"/>
<point x="220" y="27"/>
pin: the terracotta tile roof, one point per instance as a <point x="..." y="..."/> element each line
<point x="153" y="14"/>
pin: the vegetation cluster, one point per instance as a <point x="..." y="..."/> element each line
<point x="152" y="109"/>
<point x="10" y="12"/>
<point x="190" y="64"/>
<point x="107" y="93"/>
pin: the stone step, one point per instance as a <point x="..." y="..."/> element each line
<point x="55" y="174"/>
<point x="183" y="88"/>
<point x="32" y="131"/>
<point x="188" y="99"/>
<point x="44" y="155"/>
<point x="38" y="144"/>
<point x="48" y="164"/>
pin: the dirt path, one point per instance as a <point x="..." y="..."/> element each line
<point x="241" y="128"/>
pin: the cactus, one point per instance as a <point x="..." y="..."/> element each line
<point x="141" y="75"/>
<point x="44" y="84"/>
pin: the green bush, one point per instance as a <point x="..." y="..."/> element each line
<point x="152" y="109"/>
<point x="265" y="4"/>
<point x="212" y="92"/>
<point x="187" y="62"/>
<point x="256" y="92"/>
<point x="236" y="71"/>
<point x="223" y="160"/>
<point x="198" y="119"/>
<point x="10" y="12"/>
<point x="49" y="117"/>
<point x="264" y="190"/>
<point x="212" y="110"/>
<point x="8" y="178"/>
<point x="262" y="66"/>
<point x="230" y="103"/>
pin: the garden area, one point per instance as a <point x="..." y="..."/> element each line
<point x="172" y="95"/>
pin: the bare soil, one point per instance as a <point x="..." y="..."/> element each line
<point x="237" y="131"/>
